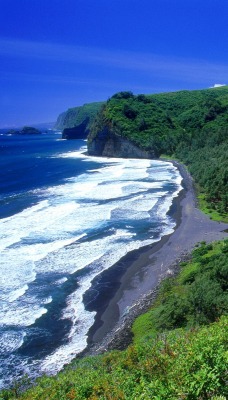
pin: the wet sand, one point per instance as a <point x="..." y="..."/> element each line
<point x="128" y="288"/>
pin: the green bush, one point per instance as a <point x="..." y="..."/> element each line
<point x="177" y="365"/>
<point x="197" y="296"/>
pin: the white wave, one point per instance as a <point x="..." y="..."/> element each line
<point x="116" y="164"/>
<point x="12" y="228"/>
<point x="80" y="255"/>
<point x="11" y="341"/>
<point x="21" y="314"/>
<point x="72" y="154"/>
<point x="15" y="294"/>
<point x="15" y="273"/>
<point x="46" y="300"/>
<point x="60" y="281"/>
<point x="82" y="320"/>
<point x="18" y="265"/>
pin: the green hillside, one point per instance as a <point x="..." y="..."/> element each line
<point x="77" y="115"/>
<point x="191" y="126"/>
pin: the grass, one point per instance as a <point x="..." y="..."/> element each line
<point x="204" y="206"/>
<point x="175" y="292"/>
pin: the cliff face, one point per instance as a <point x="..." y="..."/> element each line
<point x="128" y="126"/>
<point x="143" y="126"/>
<point x="78" y="132"/>
<point x="60" y="123"/>
<point x="75" y="122"/>
<point x="109" y="144"/>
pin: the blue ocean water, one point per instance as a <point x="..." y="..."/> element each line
<point x="66" y="217"/>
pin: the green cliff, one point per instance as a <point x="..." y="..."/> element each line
<point x="138" y="119"/>
<point x="162" y="122"/>
<point x="79" y="118"/>
<point x="191" y="126"/>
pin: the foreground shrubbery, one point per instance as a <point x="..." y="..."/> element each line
<point x="163" y="362"/>
<point x="196" y="297"/>
<point x="176" y="365"/>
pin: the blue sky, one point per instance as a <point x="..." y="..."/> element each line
<point x="56" y="54"/>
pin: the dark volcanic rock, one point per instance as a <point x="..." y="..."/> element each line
<point x="108" y="144"/>
<point x="78" y="132"/>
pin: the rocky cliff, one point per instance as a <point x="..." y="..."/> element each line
<point x="77" y="132"/>
<point x="75" y="122"/>
<point x="147" y="126"/>
<point x="121" y="128"/>
<point x="109" y="144"/>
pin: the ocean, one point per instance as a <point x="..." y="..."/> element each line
<point x="65" y="218"/>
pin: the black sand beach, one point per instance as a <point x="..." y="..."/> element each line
<point x="128" y="288"/>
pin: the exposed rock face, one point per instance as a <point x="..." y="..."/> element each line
<point x="108" y="144"/>
<point x="77" y="115"/>
<point x="78" y="132"/>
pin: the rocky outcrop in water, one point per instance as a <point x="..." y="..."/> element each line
<point x="27" y="130"/>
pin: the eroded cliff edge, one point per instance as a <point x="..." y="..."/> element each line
<point x="109" y="144"/>
<point x="121" y="128"/>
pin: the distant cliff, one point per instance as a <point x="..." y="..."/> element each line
<point x="75" y="122"/>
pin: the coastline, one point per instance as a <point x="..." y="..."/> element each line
<point x="129" y="287"/>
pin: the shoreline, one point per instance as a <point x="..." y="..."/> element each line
<point x="129" y="287"/>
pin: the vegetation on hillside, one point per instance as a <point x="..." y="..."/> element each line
<point x="77" y="115"/>
<point x="166" y="360"/>
<point x="197" y="296"/>
<point x="137" y="118"/>
<point x="189" y="125"/>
